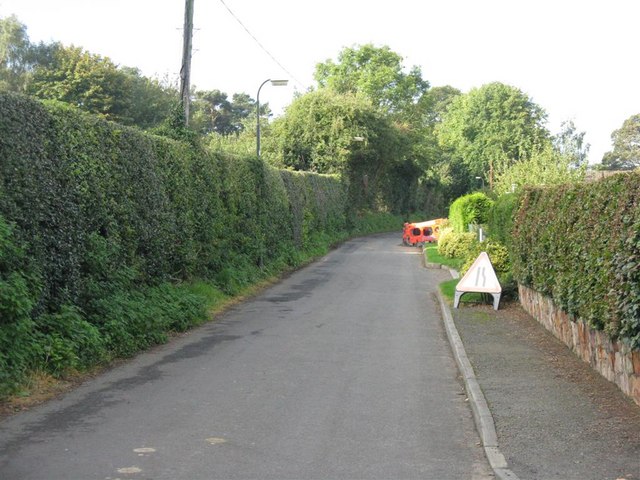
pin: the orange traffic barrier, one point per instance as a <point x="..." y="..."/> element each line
<point x="420" y="233"/>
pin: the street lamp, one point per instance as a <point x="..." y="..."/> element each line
<point x="275" y="83"/>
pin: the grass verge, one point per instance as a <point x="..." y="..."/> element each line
<point x="432" y="256"/>
<point x="448" y="290"/>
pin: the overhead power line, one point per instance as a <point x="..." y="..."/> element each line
<point x="260" y="45"/>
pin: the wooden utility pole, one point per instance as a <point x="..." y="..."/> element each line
<point x="185" y="71"/>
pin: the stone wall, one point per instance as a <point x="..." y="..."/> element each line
<point x="614" y="360"/>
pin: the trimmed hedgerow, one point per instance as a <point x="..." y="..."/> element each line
<point x="501" y="216"/>
<point x="469" y="209"/>
<point x="580" y="244"/>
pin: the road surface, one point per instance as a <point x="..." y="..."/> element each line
<point x="341" y="371"/>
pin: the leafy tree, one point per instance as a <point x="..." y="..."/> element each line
<point x="626" y="146"/>
<point x="321" y="130"/>
<point x="213" y="112"/>
<point x="570" y="142"/>
<point x="441" y="178"/>
<point x="435" y="102"/>
<point x="95" y="84"/>
<point x="375" y="72"/>
<point x="492" y="127"/>
<point x="148" y="102"/>
<point x="89" y="82"/>
<point x="328" y="132"/>
<point x="15" y="54"/>
<point x="243" y="106"/>
<point x="546" y="166"/>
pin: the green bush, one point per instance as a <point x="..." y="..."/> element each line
<point x="19" y="289"/>
<point x="18" y="354"/>
<point x="469" y="209"/>
<point x="580" y="244"/>
<point x="66" y="341"/>
<point x="497" y="252"/>
<point x="453" y="244"/>
<point x="135" y="320"/>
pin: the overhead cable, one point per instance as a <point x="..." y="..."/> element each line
<point x="260" y="45"/>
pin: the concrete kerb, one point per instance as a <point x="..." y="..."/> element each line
<point x="481" y="413"/>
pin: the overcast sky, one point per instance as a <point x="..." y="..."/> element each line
<point x="576" y="59"/>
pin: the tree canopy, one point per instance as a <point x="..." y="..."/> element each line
<point x="95" y="84"/>
<point x="626" y="146"/>
<point x="492" y="127"/>
<point x="214" y="112"/>
<point x="344" y="133"/>
<point x="321" y="130"/>
<point x="377" y="73"/>
<point x="15" y="54"/>
<point x="571" y="143"/>
<point x="545" y="166"/>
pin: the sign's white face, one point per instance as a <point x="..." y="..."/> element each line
<point x="480" y="278"/>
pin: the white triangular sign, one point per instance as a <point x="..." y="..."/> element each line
<point x="480" y="278"/>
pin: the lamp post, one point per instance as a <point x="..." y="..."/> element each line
<point x="275" y="83"/>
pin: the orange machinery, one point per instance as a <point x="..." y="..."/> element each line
<point x="422" y="232"/>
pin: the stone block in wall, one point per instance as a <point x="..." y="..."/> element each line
<point x="635" y="359"/>
<point x="634" y="386"/>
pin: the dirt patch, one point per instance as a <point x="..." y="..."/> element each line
<point x="39" y="389"/>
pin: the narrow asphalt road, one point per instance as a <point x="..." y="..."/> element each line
<point x="341" y="371"/>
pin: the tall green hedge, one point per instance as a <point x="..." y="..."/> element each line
<point x="580" y="244"/>
<point x="471" y="208"/>
<point x="100" y="224"/>
<point x="501" y="216"/>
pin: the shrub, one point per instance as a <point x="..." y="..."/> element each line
<point x="19" y="287"/>
<point x="497" y="253"/>
<point x="135" y="320"/>
<point x="66" y="341"/>
<point x="469" y="209"/>
<point x="456" y="244"/>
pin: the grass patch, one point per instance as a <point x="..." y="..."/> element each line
<point x="432" y="256"/>
<point x="214" y="298"/>
<point x="448" y="290"/>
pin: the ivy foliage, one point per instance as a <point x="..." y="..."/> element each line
<point x="580" y="244"/>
